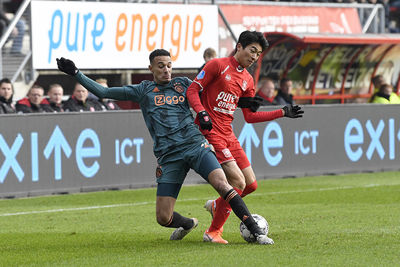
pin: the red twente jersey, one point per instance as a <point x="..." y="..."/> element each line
<point x="223" y="82"/>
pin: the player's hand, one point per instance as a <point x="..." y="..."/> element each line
<point x="67" y="66"/>
<point x="205" y="121"/>
<point x="250" y="102"/>
<point x="293" y="111"/>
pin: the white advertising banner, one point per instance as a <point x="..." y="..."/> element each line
<point x="120" y="35"/>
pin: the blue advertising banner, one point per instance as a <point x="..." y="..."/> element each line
<point x="77" y="152"/>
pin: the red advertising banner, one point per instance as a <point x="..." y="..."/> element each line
<point x="291" y="19"/>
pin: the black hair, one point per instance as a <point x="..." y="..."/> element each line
<point x="376" y="79"/>
<point x="158" y="53"/>
<point x="5" y="80"/>
<point x="248" y="37"/>
<point x="283" y="80"/>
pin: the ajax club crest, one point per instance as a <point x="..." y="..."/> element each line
<point x="178" y="87"/>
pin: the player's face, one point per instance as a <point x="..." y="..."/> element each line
<point x="248" y="55"/>
<point x="161" y="67"/>
<point x="6" y="90"/>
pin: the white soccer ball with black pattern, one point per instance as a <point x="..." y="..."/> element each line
<point x="262" y="223"/>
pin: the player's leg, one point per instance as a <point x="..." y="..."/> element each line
<point x="210" y="170"/>
<point x="234" y="175"/>
<point x="218" y="181"/>
<point x="219" y="209"/>
<point x="251" y="182"/>
<point x="170" y="177"/>
<point x="167" y="217"/>
<point x="245" y="167"/>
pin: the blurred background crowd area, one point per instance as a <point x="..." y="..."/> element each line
<point x="378" y="17"/>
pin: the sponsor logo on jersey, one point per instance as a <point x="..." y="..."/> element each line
<point x="226" y="103"/>
<point x="244" y="85"/>
<point x="228" y="77"/>
<point x="201" y="75"/>
<point x="160" y="100"/>
<point x="226" y="152"/>
<point x="178" y="87"/>
<point x="226" y="111"/>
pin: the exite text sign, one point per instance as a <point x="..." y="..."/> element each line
<point x="120" y="35"/>
<point x="327" y="140"/>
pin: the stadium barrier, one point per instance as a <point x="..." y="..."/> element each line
<point x="45" y="154"/>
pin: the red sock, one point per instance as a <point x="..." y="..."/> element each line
<point x="249" y="189"/>
<point x="222" y="213"/>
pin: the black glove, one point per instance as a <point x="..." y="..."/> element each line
<point x="293" y="111"/>
<point x="250" y="102"/>
<point x="67" y="66"/>
<point x="205" y="121"/>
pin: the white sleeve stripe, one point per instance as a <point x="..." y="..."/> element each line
<point x="199" y="84"/>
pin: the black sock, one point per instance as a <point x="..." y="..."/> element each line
<point x="242" y="212"/>
<point x="178" y="220"/>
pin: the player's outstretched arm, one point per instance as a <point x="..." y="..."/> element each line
<point x="261" y="116"/>
<point x="289" y="111"/>
<point x="68" y="66"/>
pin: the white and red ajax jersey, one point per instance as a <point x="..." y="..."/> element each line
<point x="223" y="81"/>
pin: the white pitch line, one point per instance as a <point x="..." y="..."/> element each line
<point x="188" y="199"/>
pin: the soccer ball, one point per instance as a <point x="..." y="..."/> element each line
<point x="245" y="233"/>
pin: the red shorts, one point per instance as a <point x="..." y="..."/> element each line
<point x="228" y="148"/>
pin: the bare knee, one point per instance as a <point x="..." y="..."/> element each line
<point x="240" y="185"/>
<point x="234" y="175"/>
<point x="164" y="209"/>
<point x="163" y="218"/>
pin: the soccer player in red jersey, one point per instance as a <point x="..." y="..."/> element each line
<point x="226" y="84"/>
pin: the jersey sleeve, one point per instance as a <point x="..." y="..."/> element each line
<point x="261" y="116"/>
<point x="130" y="92"/>
<point x="208" y="73"/>
<point x="206" y="76"/>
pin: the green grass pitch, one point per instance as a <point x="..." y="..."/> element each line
<point x="346" y="220"/>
